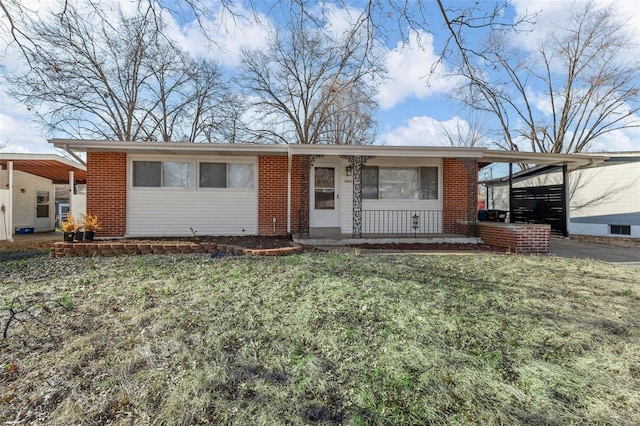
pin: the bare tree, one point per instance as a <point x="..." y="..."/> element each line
<point x="350" y="116"/>
<point x="588" y="86"/>
<point x="93" y="75"/>
<point x="301" y="82"/>
<point x="466" y="133"/>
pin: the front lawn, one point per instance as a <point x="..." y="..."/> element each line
<point x="319" y="338"/>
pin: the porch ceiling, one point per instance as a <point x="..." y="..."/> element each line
<point x="46" y="166"/>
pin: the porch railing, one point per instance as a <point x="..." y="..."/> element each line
<point x="401" y="222"/>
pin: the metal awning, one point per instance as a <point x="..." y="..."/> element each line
<point x="48" y="166"/>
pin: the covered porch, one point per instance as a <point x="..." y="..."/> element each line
<point x="27" y="193"/>
<point x="453" y="220"/>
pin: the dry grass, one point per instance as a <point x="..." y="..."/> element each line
<point x="320" y="338"/>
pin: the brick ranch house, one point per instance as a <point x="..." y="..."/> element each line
<point x="307" y="191"/>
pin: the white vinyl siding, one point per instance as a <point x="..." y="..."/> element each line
<point x="179" y="211"/>
<point x="24" y="203"/>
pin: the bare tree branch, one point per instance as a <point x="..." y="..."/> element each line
<point x="578" y="87"/>
<point x="94" y="74"/>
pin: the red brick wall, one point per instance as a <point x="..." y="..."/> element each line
<point x="459" y="192"/>
<point x="107" y="191"/>
<point x="518" y="238"/>
<point x="272" y="195"/>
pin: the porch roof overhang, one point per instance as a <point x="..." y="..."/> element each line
<point x="48" y="166"/>
<point x="483" y="155"/>
<point x="572" y="161"/>
<point x="170" y="148"/>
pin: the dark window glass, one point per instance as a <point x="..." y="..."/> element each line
<point x="369" y="183"/>
<point x="147" y="173"/>
<point x="213" y="175"/>
<point x="429" y="183"/>
<point x="620" y="229"/>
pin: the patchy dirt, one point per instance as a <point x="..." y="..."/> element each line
<point x="610" y="241"/>
<point x="27" y="245"/>
<point x="250" y="242"/>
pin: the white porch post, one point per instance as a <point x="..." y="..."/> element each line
<point x="71" y="186"/>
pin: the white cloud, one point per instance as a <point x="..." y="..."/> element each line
<point x="226" y="35"/>
<point x="417" y="131"/>
<point x="408" y="66"/>
<point x="18" y="132"/>
<point x="619" y="140"/>
<point x="554" y="12"/>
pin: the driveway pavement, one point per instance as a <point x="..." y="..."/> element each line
<point x="629" y="256"/>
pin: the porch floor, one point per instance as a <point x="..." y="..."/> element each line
<point x="347" y="239"/>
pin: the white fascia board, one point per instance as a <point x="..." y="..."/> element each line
<point x="168" y="147"/>
<point x="41" y="157"/>
<point x="264" y="149"/>
<point x="571" y="160"/>
<point x="387" y="151"/>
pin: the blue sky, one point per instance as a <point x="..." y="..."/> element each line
<point x="413" y="109"/>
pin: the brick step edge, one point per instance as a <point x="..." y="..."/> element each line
<point x="99" y="248"/>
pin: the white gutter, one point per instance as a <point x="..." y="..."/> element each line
<point x="289" y="158"/>
<point x="172" y="147"/>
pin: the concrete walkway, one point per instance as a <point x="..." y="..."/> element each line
<point x="629" y="256"/>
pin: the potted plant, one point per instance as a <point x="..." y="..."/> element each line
<point x="69" y="228"/>
<point x="90" y="225"/>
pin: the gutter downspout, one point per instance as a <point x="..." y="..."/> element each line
<point x="9" y="209"/>
<point x="74" y="155"/>
<point x="566" y="206"/>
<point x="289" y="158"/>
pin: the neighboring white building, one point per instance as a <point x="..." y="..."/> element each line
<point x="27" y="191"/>
<point x="604" y="199"/>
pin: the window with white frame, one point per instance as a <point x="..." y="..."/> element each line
<point x="620" y="229"/>
<point x="156" y="174"/>
<point x="226" y="175"/>
<point x="400" y="183"/>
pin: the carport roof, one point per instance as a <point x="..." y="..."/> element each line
<point x="483" y="155"/>
<point x="48" y="166"/>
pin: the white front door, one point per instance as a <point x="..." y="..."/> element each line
<point x="324" y="212"/>
<point x="43" y="219"/>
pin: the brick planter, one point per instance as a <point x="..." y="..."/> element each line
<point x="515" y="237"/>
<point x="62" y="249"/>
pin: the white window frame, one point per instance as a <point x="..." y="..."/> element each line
<point x="162" y="185"/>
<point x="227" y="162"/>
<point x="407" y="167"/>
<point x="194" y="171"/>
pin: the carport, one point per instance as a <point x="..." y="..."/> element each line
<point x="31" y="177"/>
<point x="546" y="205"/>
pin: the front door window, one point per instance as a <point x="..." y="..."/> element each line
<point x="42" y="204"/>
<point x="325" y="188"/>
